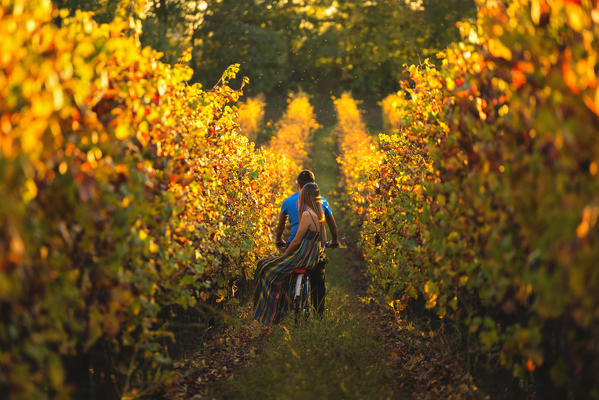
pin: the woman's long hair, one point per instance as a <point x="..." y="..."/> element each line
<point x="309" y="198"/>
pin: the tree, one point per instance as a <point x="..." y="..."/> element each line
<point x="322" y="46"/>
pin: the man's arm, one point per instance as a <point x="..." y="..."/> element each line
<point x="280" y="228"/>
<point x="333" y="228"/>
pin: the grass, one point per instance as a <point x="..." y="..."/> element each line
<point x="330" y="358"/>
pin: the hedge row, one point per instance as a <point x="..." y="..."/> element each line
<point x="294" y="129"/>
<point x="358" y="157"/>
<point x="125" y="191"/>
<point x="485" y="205"/>
<point x="390" y="106"/>
<point x="250" y="114"/>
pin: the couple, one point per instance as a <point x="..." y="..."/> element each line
<point x="302" y="251"/>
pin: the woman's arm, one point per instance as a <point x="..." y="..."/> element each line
<point x="301" y="231"/>
<point x="280" y="228"/>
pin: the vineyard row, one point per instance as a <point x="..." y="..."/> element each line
<point x="482" y="202"/>
<point x="130" y="202"/>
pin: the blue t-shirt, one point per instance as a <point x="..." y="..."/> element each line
<point x="290" y="208"/>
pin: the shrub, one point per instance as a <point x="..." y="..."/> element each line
<point x="390" y="107"/>
<point x="292" y="137"/>
<point x="358" y="157"/>
<point x="250" y="115"/>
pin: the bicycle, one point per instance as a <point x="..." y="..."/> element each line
<point x="301" y="302"/>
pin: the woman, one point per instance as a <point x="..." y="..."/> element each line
<point x="274" y="274"/>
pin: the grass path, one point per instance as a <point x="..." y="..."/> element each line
<point x="336" y="357"/>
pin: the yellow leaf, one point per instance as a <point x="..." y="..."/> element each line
<point x="577" y="18"/>
<point x="450" y="84"/>
<point x="497" y="49"/>
<point x="186" y="56"/>
<point x="30" y="191"/>
<point x="122" y="131"/>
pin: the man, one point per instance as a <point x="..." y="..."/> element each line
<point x="289" y="209"/>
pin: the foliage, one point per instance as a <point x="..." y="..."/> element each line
<point x="375" y="38"/>
<point x="358" y="156"/>
<point x="323" y="46"/>
<point x="485" y="204"/>
<point x="294" y="130"/>
<point x="392" y="107"/>
<point x="255" y="34"/>
<point x="125" y="191"/>
<point x="250" y="115"/>
<point x="104" y="10"/>
<point x="168" y="27"/>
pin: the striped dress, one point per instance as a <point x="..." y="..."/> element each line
<point x="274" y="279"/>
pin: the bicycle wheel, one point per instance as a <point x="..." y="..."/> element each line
<point x="297" y="301"/>
<point x="307" y="307"/>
